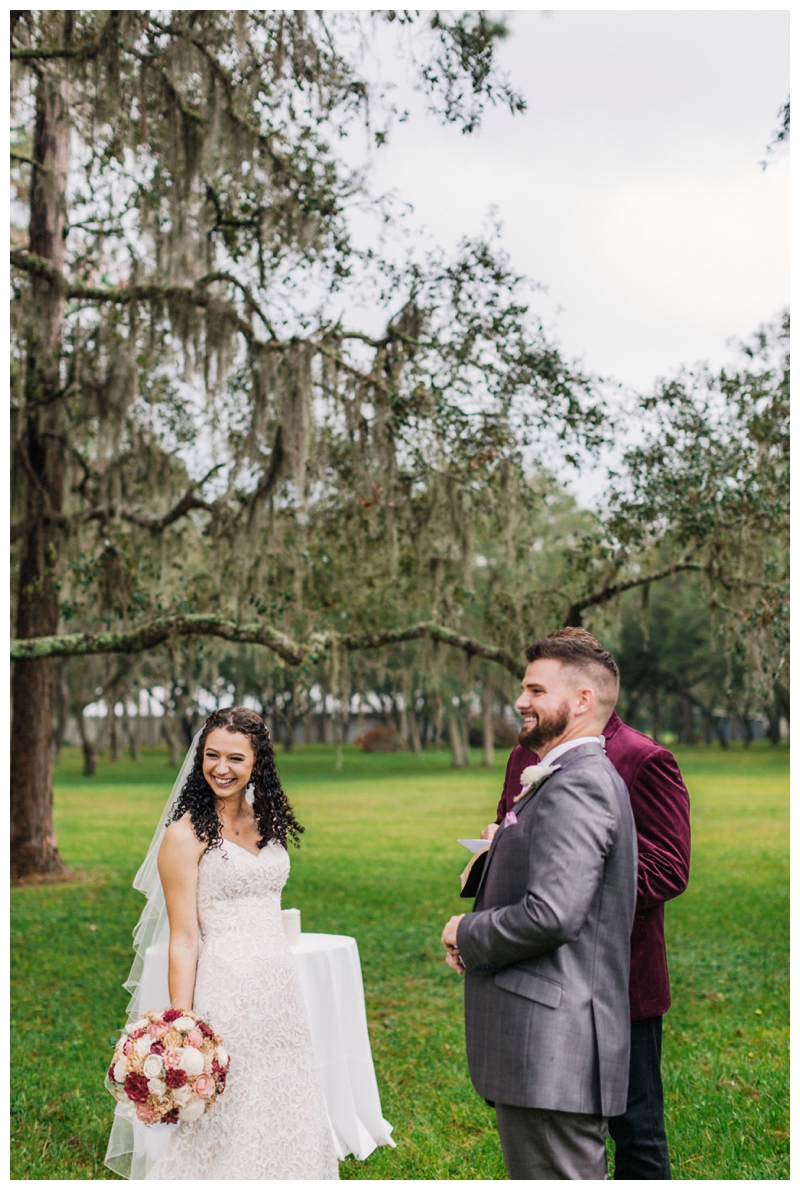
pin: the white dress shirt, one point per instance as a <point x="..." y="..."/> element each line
<point x="560" y="749"/>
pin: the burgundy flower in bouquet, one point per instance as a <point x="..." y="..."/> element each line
<point x="168" y="1066"/>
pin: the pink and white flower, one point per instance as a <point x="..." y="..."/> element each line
<point x="152" y="1066"/>
<point x="191" y="1061"/>
<point x="204" y="1086"/>
<point x="192" y="1111"/>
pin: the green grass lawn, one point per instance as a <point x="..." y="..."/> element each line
<point x="380" y="861"/>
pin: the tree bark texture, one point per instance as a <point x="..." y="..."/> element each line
<point x="34" y="687"/>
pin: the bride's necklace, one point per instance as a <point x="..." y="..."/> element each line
<point x="234" y="829"/>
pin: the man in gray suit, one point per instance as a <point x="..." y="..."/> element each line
<point x="546" y="948"/>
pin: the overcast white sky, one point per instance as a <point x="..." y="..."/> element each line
<point x="631" y="186"/>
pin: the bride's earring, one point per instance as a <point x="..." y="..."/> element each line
<point x="249" y="794"/>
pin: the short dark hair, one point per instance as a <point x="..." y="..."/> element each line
<point x="577" y="648"/>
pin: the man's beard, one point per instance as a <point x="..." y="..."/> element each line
<point x="545" y="729"/>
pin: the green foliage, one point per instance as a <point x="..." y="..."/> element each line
<point x="466" y="42"/>
<point x="380" y="861"/>
<point x="673" y="663"/>
<point x="208" y="262"/>
<point x="711" y="483"/>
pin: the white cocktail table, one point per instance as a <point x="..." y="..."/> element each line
<point x="329" y="971"/>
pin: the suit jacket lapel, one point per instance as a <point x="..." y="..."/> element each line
<point x="529" y="796"/>
<point x="564" y="759"/>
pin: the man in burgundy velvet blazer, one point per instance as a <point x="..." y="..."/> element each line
<point x="660" y="805"/>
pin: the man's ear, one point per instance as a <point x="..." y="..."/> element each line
<point x="586" y="700"/>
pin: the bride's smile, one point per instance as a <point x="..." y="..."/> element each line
<point x="227" y="762"/>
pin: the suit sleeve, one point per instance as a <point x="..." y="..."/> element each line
<point x="574" y="832"/>
<point x="660" y="803"/>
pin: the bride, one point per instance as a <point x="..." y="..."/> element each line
<point x="221" y="863"/>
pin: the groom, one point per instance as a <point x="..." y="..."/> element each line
<point x="546" y="949"/>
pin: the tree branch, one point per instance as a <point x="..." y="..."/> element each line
<point x="80" y="52"/>
<point x="250" y="301"/>
<point x="110" y="511"/>
<point x="148" y="636"/>
<point x="30" y="161"/>
<point x="435" y="632"/>
<point x="574" y="615"/>
<point x="369" y="377"/>
<point x="39" y="267"/>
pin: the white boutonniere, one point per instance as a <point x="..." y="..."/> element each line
<point x="533" y="775"/>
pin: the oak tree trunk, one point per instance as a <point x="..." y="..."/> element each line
<point x="34" y="687"/>
<point x="88" y="747"/>
<point x="488" y="725"/>
<point x="414" y="733"/>
<point x="169" y="733"/>
<point x="115" y="747"/>
<point x="129" y="726"/>
<point x="459" y="753"/>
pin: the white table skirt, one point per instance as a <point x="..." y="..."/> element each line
<point x="329" y="972"/>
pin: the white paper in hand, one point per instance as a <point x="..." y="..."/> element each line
<point x="474" y="845"/>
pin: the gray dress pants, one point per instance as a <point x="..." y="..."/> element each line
<point x="552" y="1145"/>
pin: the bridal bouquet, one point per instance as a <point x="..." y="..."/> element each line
<point x="168" y="1066"/>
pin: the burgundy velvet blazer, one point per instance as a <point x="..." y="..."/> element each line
<point x="660" y="804"/>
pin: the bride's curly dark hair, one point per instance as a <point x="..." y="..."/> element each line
<point x="274" y="816"/>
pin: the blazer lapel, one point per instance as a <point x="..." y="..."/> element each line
<point x="564" y="759"/>
<point x="529" y="796"/>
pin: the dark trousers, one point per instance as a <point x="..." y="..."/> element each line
<point x="640" y="1140"/>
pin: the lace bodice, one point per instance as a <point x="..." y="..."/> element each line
<point x="229" y="874"/>
<point x="271" y="1121"/>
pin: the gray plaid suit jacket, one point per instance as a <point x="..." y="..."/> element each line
<point x="547" y="946"/>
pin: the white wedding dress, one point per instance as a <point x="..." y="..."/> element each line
<point x="271" y="1122"/>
